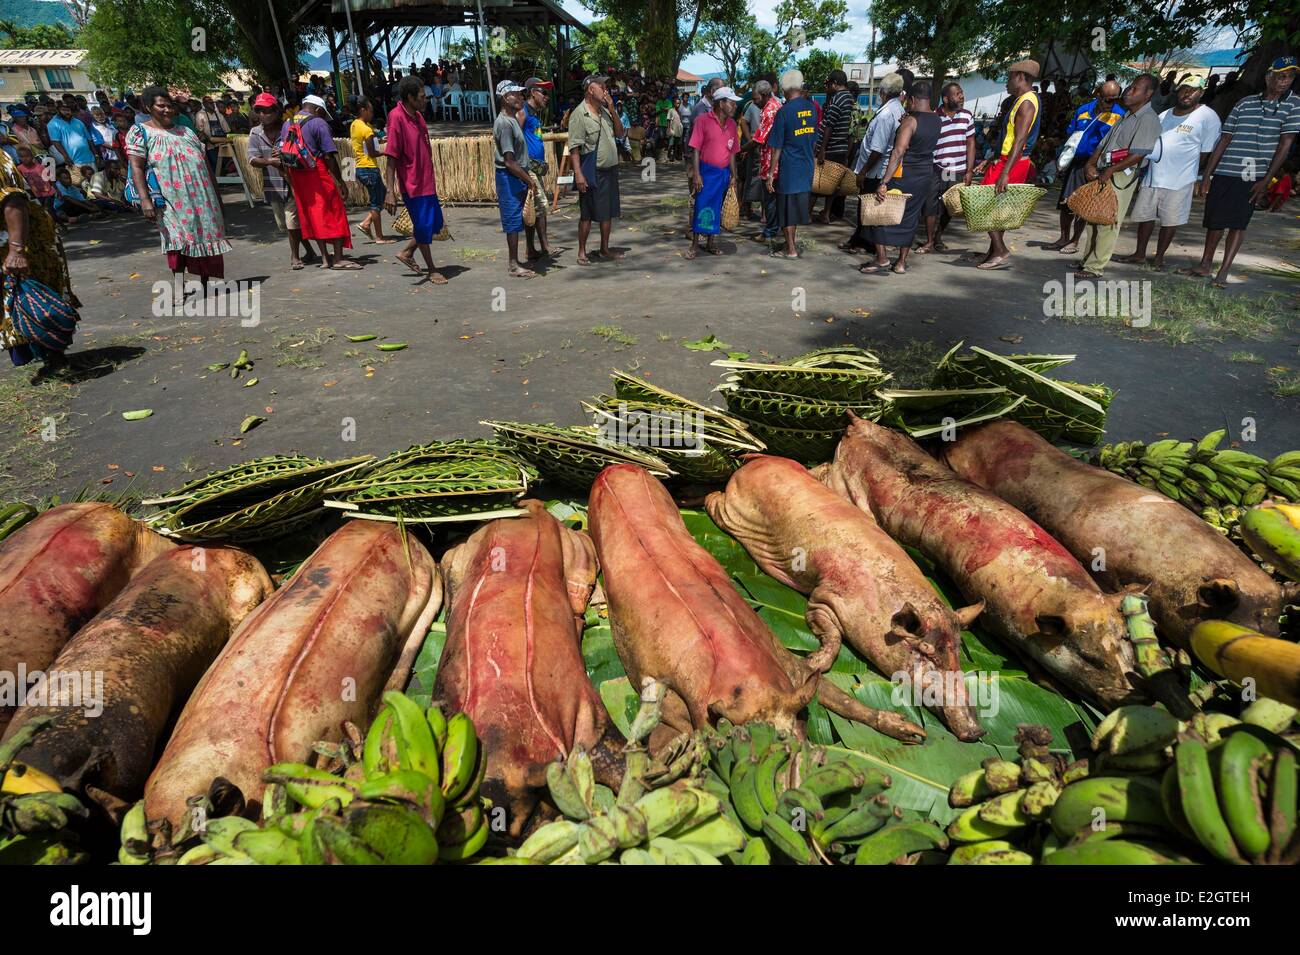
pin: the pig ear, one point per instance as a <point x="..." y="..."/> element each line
<point x="1222" y="594"/>
<point x="966" y="615"/>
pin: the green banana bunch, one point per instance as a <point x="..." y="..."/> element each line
<point x="404" y="794"/>
<point x="676" y="824"/>
<point x="1216" y="483"/>
<point x="36" y="821"/>
<point x="798" y="802"/>
<point x="1236" y="798"/>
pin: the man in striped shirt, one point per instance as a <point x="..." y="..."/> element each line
<point x="833" y="135"/>
<point x="1253" y="143"/>
<point x="954" y="162"/>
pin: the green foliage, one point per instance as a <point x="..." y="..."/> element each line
<point x="766" y="55"/>
<point x="136" y="42"/>
<point x="816" y="66"/>
<point x="664" y="31"/>
<point x="610" y="45"/>
<point x="41" y="36"/>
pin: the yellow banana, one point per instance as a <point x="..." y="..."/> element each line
<point x="22" y="779"/>
<point x="1238" y="653"/>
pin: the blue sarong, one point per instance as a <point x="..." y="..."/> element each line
<point x="426" y="217"/>
<point x="708" y="201"/>
<point x="511" y="193"/>
<point x="42" y="316"/>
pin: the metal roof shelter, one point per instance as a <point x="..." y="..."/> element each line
<point x="390" y="24"/>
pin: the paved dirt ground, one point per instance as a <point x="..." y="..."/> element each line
<point x="488" y="346"/>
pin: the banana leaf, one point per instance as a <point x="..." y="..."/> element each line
<point x="425" y="672"/>
<point x="1057" y="410"/>
<point x="926" y="424"/>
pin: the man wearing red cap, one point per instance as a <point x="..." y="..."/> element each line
<point x="264" y="154"/>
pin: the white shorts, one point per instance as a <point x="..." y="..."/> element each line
<point x="1168" y="207"/>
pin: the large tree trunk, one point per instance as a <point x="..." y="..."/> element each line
<point x="657" y="50"/>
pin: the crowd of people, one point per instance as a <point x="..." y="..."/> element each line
<point x="1155" y="142"/>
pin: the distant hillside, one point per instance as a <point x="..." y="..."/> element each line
<point x="30" y="13"/>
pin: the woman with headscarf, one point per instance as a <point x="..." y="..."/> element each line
<point x="910" y="169"/>
<point x="189" y="219"/>
<point x="31" y="250"/>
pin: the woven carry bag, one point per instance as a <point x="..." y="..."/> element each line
<point x="848" y="185"/>
<point x="889" y="212"/>
<point x="1095" y="202"/>
<point x="827" y="177"/>
<point x="952" y="201"/>
<point x="530" y="208"/>
<point x="402" y="226"/>
<point x="730" y="211"/>
<point x="987" y="211"/>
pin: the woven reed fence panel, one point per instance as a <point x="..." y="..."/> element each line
<point x="462" y="165"/>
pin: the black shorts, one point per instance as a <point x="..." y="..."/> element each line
<point x="600" y="202"/>
<point x="939" y="184"/>
<point x="1228" y="205"/>
<point x="792" y="208"/>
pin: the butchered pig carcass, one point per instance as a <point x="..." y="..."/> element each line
<point x="677" y="618"/>
<point x="1036" y="596"/>
<point x="862" y="586"/>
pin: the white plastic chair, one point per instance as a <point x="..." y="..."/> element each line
<point x="451" y="103"/>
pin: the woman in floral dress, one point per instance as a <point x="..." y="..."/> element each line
<point x="29" y="246"/>
<point x="193" y="232"/>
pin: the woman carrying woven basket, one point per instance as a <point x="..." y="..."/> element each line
<point x="910" y="168"/>
<point x="715" y="141"/>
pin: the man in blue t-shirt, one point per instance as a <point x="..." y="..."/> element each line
<point x="1092" y="121"/>
<point x="792" y="140"/>
<point x="70" y="138"/>
<point x="537" y="92"/>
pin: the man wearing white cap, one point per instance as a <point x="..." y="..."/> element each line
<point x="715" y="141"/>
<point x="1189" y="132"/>
<point x="513" y="181"/>
<point x="309" y="155"/>
<point x="792" y="140"/>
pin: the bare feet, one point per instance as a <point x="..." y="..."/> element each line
<point x="1200" y="271"/>
<point x="1133" y="259"/>
<point x="899" y="269"/>
<point x="923" y="249"/>
<point x="519" y="272"/>
<point x="690" y="253"/>
<point x="870" y="268"/>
